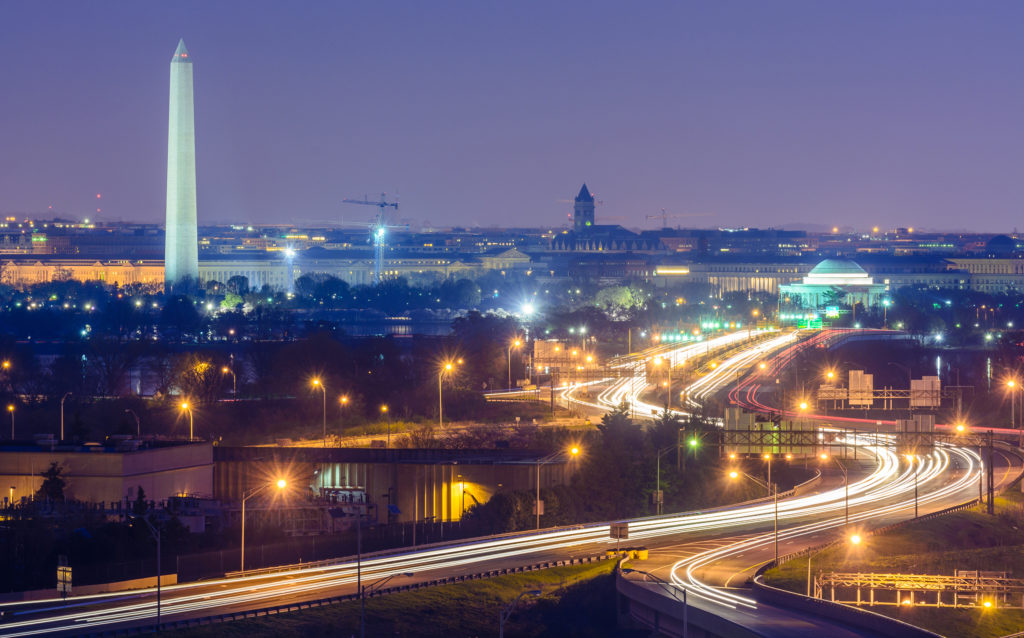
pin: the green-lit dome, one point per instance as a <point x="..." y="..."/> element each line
<point x="838" y="268"/>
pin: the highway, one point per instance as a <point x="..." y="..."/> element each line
<point x="707" y="552"/>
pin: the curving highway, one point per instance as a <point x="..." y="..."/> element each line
<point x="705" y="552"/>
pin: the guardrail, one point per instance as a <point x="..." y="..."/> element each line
<point x="323" y="602"/>
<point x="851" y="615"/>
<point x="328" y="562"/>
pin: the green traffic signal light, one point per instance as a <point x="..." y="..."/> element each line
<point x="693" y="442"/>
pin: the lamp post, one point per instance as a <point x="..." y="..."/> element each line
<point x="846" y="483"/>
<point x="369" y="589"/>
<point x="1012" y="384"/>
<point x="10" y="408"/>
<point x="66" y="395"/>
<point x="573" y="452"/>
<point x="186" y="408"/>
<point x="384" y="411"/>
<point x="504" y="614"/>
<point x="446" y="368"/>
<point x="280" y="484"/>
<point x="885" y="313"/>
<point x="668" y="382"/>
<point x="317" y="383"/>
<point x="515" y="344"/>
<point x="343" y="402"/>
<point x="234" y="380"/>
<point x="156" y="536"/>
<point x="138" y="423"/>
<point x="773" y="490"/>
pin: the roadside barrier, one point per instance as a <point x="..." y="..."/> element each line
<point x="323" y="602"/>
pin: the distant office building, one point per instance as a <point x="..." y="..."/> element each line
<point x="181" y="243"/>
<point x="587" y="236"/>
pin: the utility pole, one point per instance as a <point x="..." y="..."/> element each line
<point x="990" y="474"/>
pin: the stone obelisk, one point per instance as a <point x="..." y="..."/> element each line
<point x="181" y="244"/>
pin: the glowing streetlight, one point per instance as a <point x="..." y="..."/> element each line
<point x="10" y="408"/>
<point x="573" y="453"/>
<point x="384" y="412"/>
<point x="280" y="484"/>
<point x="317" y="383"/>
<point x="515" y="344"/>
<point x="445" y="369"/>
<point x="855" y="539"/>
<point x="773" y="490"/>
<point x="234" y="380"/>
<point x="184" y="406"/>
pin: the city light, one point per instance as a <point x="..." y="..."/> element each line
<point x="855" y="539"/>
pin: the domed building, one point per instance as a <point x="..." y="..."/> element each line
<point x="834" y="282"/>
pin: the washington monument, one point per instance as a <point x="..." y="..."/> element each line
<point x="181" y="245"/>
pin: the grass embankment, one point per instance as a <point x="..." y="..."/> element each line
<point x="576" y="601"/>
<point x="965" y="540"/>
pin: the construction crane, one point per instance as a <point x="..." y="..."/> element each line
<point x="664" y="216"/>
<point x="378" y="230"/>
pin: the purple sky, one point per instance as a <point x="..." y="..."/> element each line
<point x="756" y="113"/>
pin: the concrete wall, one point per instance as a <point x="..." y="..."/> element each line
<point x="420" y="490"/>
<point x="104" y="476"/>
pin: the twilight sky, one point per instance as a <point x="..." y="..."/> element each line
<point x="488" y="113"/>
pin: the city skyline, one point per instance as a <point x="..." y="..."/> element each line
<point x="796" y="115"/>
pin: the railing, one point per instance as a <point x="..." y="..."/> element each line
<point x="323" y="602"/>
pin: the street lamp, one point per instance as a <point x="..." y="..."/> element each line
<point x="66" y="395"/>
<point x="846" y="483"/>
<point x="885" y="312"/>
<point x="1012" y="384"/>
<point x="369" y="589"/>
<point x="10" y="408"/>
<point x="668" y="382"/>
<point x="138" y="423"/>
<point x="317" y="383"/>
<point x="343" y="402"/>
<point x="384" y="411"/>
<point x="504" y="614"/>
<point x="515" y="344"/>
<point x="184" y="406"/>
<point x="280" y="484"/>
<point x="773" y="490"/>
<point x="574" y="451"/>
<point x="445" y="369"/>
<point x="234" y="380"/>
<point x="156" y="536"/>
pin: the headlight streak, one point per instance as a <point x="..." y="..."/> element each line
<point x="887" y="481"/>
<point x="933" y="466"/>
